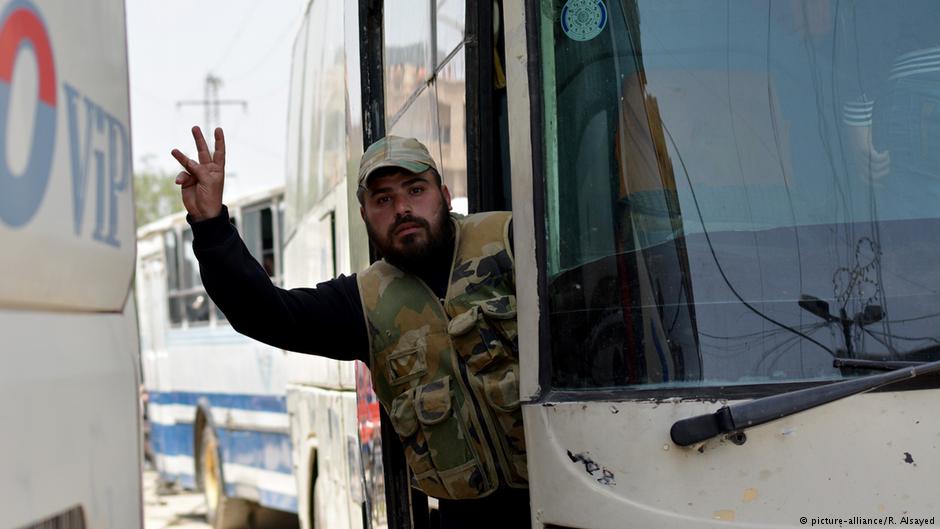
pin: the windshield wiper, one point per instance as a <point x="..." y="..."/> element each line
<point x="882" y="365"/>
<point x="737" y="417"/>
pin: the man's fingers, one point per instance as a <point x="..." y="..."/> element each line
<point x="219" y="155"/>
<point x="202" y="150"/>
<point x="185" y="179"/>
<point x="183" y="159"/>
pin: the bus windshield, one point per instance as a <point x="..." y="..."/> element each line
<point x="739" y="192"/>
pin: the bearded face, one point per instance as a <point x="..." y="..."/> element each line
<point x="406" y="215"/>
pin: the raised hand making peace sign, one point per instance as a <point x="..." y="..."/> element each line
<point x="201" y="182"/>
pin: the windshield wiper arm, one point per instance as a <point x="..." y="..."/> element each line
<point x="883" y="365"/>
<point x="737" y="417"/>
<point x="888" y="365"/>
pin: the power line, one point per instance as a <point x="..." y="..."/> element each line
<point x="238" y="33"/>
<point x="288" y="30"/>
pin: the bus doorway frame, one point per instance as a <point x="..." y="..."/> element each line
<point x="410" y="510"/>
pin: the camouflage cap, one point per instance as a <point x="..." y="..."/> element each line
<point x="394" y="151"/>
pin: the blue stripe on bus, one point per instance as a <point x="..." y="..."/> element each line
<point x="263" y="450"/>
<point x="267" y="450"/>
<point x="236" y="401"/>
<point x="274" y="500"/>
<point x="172" y="440"/>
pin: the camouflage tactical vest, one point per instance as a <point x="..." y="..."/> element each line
<point x="447" y="371"/>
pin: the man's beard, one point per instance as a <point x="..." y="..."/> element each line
<point x="412" y="255"/>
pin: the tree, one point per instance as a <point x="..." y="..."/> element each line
<point x="156" y="195"/>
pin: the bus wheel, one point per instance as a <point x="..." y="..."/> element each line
<point x="222" y="512"/>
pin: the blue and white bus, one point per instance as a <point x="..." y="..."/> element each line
<point x="212" y="394"/>
<point x="249" y="424"/>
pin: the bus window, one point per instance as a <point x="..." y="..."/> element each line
<point x="171" y="254"/>
<point x="417" y="120"/>
<point x="258" y="230"/>
<point x="295" y="141"/>
<point x="195" y="301"/>
<point x="441" y="119"/>
<point x="427" y="99"/>
<point x="450" y="90"/>
<point x="450" y="15"/>
<point x="711" y="166"/>
<point x="407" y="51"/>
<point x="319" y="163"/>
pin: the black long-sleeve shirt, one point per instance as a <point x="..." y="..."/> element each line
<point x="326" y="320"/>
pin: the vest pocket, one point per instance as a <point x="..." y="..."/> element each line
<point x="459" y="468"/>
<point x="443" y="463"/>
<point x="406" y="364"/>
<point x="405" y="421"/>
<point x="486" y="333"/>
<point x="501" y="314"/>
<point x="501" y="389"/>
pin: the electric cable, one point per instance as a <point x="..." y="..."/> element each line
<point x="718" y="263"/>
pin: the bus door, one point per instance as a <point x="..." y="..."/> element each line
<point x="441" y="79"/>
<point x="716" y="206"/>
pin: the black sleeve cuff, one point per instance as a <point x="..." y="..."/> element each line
<point x="212" y="232"/>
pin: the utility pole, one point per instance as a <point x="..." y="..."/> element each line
<point x="211" y="103"/>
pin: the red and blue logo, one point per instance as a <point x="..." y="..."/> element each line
<point x="22" y="28"/>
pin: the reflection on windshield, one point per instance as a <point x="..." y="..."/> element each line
<point x="715" y="162"/>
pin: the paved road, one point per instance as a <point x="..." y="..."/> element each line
<point x="172" y="509"/>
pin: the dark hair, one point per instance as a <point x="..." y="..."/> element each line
<point x="383" y="171"/>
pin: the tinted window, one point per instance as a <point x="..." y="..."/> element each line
<point x="710" y="164"/>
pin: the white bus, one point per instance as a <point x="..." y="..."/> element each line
<point x="70" y="451"/>
<point x="716" y="205"/>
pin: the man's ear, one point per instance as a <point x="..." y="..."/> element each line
<point x="446" y="194"/>
<point x="362" y="212"/>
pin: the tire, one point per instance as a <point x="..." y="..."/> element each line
<point x="222" y="512"/>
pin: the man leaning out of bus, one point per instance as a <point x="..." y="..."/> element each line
<point x="434" y="320"/>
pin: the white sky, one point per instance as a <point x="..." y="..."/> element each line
<point x="173" y="44"/>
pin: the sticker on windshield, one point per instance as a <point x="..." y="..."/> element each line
<point x="582" y="20"/>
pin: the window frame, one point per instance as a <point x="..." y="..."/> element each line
<point x="480" y="125"/>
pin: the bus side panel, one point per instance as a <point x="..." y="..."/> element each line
<point x="66" y="210"/>
<point x="598" y="464"/>
<point x="72" y="434"/>
<point x="323" y="433"/>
